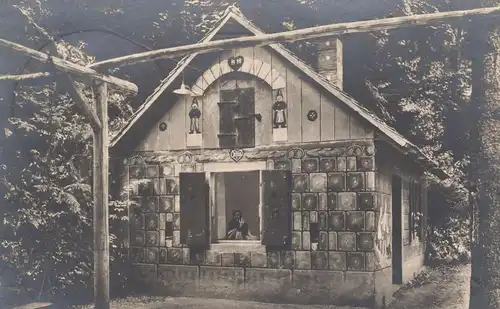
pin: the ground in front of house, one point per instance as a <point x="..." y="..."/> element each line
<point x="444" y="287"/>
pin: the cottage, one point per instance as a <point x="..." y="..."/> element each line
<point x="266" y="181"/>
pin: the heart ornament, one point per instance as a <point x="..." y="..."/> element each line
<point x="235" y="63"/>
<point x="236" y="154"/>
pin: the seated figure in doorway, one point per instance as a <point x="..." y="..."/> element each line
<point x="237" y="228"/>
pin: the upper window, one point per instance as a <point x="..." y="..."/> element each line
<point x="236" y="118"/>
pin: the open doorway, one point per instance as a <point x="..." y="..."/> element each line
<point x="237" y="200"/>
<point x="397" y="231"/>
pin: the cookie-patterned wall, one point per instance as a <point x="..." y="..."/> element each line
<point x="330" y="258"/>
<point x="291" y="108"/>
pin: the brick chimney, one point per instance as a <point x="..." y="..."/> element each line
<point x="330" y="60"/>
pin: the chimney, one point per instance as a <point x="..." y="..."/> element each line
<point x="330" y="60"/>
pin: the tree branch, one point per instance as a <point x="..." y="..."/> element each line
<point x="25" y="76"/>
<point x="296" y="35"/>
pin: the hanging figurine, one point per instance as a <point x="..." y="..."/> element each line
<point x="279" y="111"/>
<point x="194" y="116"/>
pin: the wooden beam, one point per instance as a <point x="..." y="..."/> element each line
<point x="83" y="104"/>
<point x="101" y="212"/>
<point x="72" y="68"/>
<point x="296" y="35"/>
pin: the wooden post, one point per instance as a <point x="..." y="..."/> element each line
<point x="101" y="217"/>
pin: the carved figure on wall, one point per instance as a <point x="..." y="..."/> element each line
<point x="279" y="111"/>
<point x="194" y="116"/>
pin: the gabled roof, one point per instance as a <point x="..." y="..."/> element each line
<point x="236" y="15"/>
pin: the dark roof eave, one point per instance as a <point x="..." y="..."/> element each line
<point x="425" y="161"/>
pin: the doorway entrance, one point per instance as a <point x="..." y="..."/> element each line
<point x="397" y="231"/>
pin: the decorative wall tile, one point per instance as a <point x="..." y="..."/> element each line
<point x="332" y="240"/>
<point x="185" y="256"/>
<point x="242" y="259"/>
<point x="332" y="201"/>
<point x="306" y="241"/>
<point x="296" y="201"/>
<point x="270" y="164"/>
<point x="355" y="181"/>
<point x="310" y="165"/>
<point x="137" y="255"/>
<point x="138" y="238"/>
<point x="177" y="203"/>
<point x="177" y="221"/>
<point x="136" y="172"/>
<point x="318" y="182"/>
<point x="366" y="201"/>
<point x="145" y="189"/>
<point x="228" y="259"/>
<point x="152" y="204"/>
<point x="163" y="221"/>
<point x="273" y="259"/>
<point x="188" y="168"/>
<point x="337" y="261"/>
<point x="313" y="217"/>
<point x="303" y="260"/>
<point x="176" y="238"/>
<point x="346" y="201"/>
<point x="300" y="183"/>
<point x="351" y="164"/>
<point x="346" y="241"/>
<point x="169" y="217"/>
<point x="355" y="221"/>
<point x="322" y="201"/>
<point x="258" y="259"/>
<point x="167" y="170"/>
<point x="174" y="256"/>
<point x="133" y="187"/>
<point x="336" y="182"/>
<point x="282" y="165"/>
<point x="370" y="221"/>
<point x="288" y="259"/>
<point x="319" y="260"/>
<point x="169" y="242"/>
<point x="336" y="221"/>
<point x="162" y="238"/>
<point x="166" y="204"/>
<point x="137" y="221"/>
<point x="366" y="164"/>
<point x="197" y="257"/>
<point x="296" y="240"/>
<point x="163" y="256"/>
<point x="366" y="241"/>
<point x="152" y="255"/>
<point x="327" y="165"/>
<point x="341" y="164"/>
<point x="159" y="186"/>
<point x="296" y="166"/>
<point x="309" y="201"/>
<point x="323" y="221"/>
<point x="323" y="241"/>
<point x="370" y="261"/>
<point x="152" y="222"/>
<point x="153" y="239"/>
<point x="356" y="261"/>
<point x="213" y="258"/>
<point x="370" y="181"/>
<point x="172" y="185"/>
<point x="305" y="221"/>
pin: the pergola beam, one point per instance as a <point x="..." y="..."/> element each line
<point x="69" y="67"/>
<point x="297" y="35"/>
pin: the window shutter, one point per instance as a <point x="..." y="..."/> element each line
<point x="227" y="113"/>
<point x="194" y="200"/>
<point x="277" y="209"/>
<point x="245" y="123"/>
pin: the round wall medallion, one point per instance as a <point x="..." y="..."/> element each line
<point x="312" y="115"/>
<point x="163" y="126"/>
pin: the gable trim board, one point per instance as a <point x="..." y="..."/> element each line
<point x="394" y="137"/>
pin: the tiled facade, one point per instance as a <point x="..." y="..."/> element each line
<point x="338" y="200"/>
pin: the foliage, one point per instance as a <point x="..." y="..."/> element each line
<point x="48" y="205"/>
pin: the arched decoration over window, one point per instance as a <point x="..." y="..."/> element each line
<point x="248" y="65"/>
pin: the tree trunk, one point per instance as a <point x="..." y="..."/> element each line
<point x="485" y="279"/>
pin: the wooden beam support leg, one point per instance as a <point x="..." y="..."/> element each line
<point x="101" y="217"/>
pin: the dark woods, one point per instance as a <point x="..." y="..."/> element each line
<point x="417" y="79"/>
